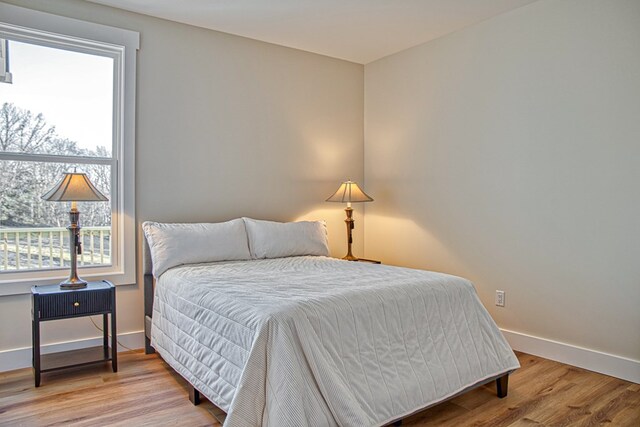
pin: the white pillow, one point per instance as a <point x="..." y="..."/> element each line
<point x="177" y="244"/>
<point x="268" y="239"/>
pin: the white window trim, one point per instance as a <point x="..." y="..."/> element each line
<point x="17" y="23"/>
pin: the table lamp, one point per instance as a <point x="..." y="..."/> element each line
<point x="348" y="193"/>
<point x="74" y="187"/>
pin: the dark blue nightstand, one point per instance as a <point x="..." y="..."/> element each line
<point x="49" y="302"/>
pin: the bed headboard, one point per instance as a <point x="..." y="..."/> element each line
<point x="148" y="294"/>
<point x="146" y="256"/>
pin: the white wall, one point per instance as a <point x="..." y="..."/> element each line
<point x="226" y="127"/>
<point x="506" y="152"/>
<point x="509" y="153"/>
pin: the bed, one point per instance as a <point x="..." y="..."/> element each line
<point x="308" y="340"/>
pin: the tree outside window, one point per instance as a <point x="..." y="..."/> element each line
<point x="76" y="90"/>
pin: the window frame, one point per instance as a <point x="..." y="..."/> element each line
<point x="45" y="29"/>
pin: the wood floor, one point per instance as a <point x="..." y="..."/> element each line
<point x="146" y="391"/>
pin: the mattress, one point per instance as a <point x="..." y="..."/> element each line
<point x="316" y="341"/>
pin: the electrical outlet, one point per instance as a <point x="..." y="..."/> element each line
<point x="500" y="298"/>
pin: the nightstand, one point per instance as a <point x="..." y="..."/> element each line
<point x="49" y="302"/>
<point x="372" y="261"/>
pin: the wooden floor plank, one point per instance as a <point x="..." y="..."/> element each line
<point x="528" y="387"/>
<point x="147" y="392"/>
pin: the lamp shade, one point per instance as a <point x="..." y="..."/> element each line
<point x="349" y="192"/>
<point x="74" y="187"/>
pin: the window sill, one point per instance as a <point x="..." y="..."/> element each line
<point x="23" y="286"/>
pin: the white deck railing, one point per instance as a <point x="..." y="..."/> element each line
<point x="44" y="248"/>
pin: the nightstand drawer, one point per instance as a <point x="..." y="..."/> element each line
<point x="70" y="304"/>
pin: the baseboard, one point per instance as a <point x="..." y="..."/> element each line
<point x="604" y="363"/>
<point x="608" y="364"/>
<point x="18" y="358"/>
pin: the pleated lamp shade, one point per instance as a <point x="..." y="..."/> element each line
<point x="74" y="187"/>
<point x="349" y="192"/>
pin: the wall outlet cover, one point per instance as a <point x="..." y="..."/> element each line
<point x="500" y="298"/>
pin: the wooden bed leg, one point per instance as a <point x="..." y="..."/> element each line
<point x="194" y="395"/>
<point x="502" y="384"/>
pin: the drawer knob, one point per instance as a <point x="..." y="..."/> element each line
<point x="76" y="304"/>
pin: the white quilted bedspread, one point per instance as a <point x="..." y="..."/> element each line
<point x="315" y="341"/>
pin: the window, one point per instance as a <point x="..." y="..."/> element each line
<point x="66" y="102"/>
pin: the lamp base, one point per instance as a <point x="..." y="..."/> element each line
<point x="350" y="226"/>
<point x="73" y="284"/>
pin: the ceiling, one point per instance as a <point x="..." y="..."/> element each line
<point x="355" y="30"/>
